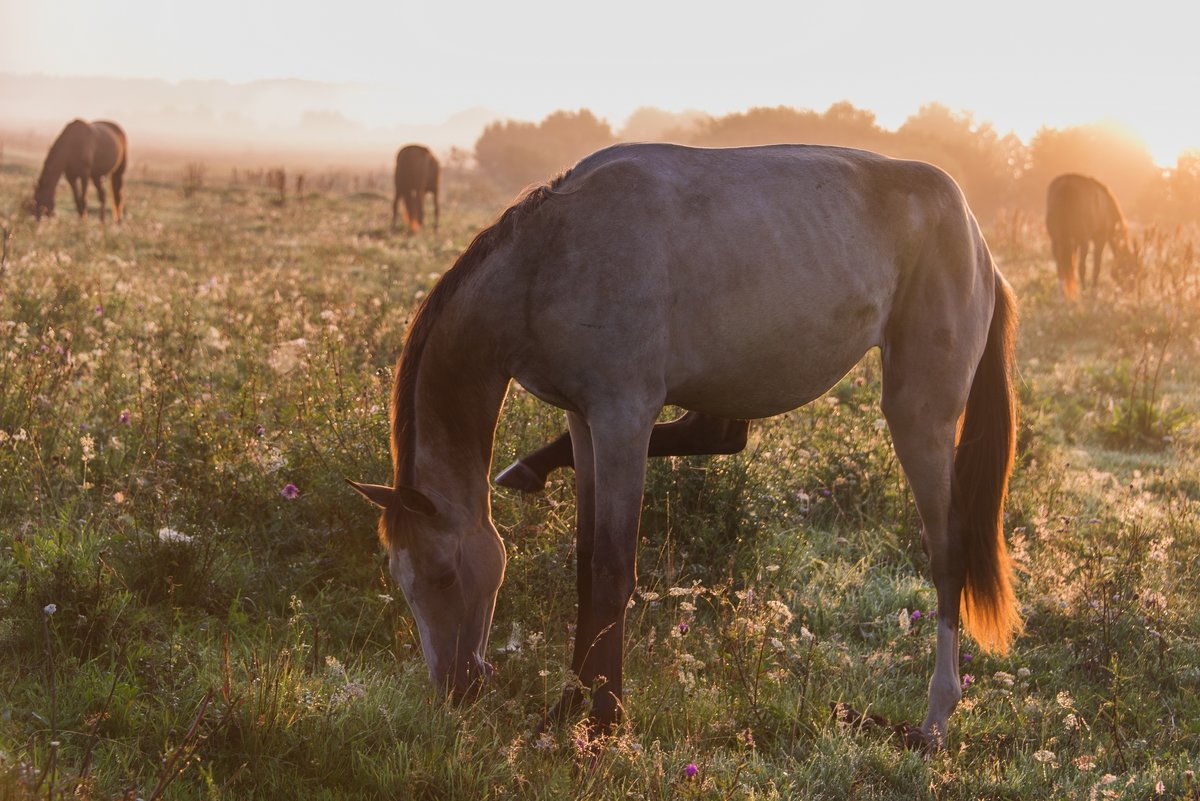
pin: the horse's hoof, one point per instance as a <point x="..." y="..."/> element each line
<point x="520" y="477"/>
<point x="568" y="705"/>
<point x="914" y="738"/>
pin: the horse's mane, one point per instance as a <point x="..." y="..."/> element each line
<point x="405" y="387"/>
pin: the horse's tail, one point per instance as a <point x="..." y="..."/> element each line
<point x="982" y="463"/>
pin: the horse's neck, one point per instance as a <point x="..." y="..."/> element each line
<point x="54" y="166"/>
<point x="460" y="391"/>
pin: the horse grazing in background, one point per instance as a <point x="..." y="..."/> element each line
<point x="84" y="151"/>
<point x="416" y="174"/>
<point x="1081" y="211"/>
<point x="738" y="283"/>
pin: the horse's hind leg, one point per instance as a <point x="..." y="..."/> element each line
<point x="118" y="184"/>
<point x="99" y="182"/>
<point x="693" y="434"/>
<point x="928" y="366"/>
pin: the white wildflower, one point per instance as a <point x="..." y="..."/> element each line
<point x="169" y="535"/>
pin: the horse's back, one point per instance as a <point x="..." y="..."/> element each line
<point x="416" y="169"/>
<point x="1079" y="208"/>
<point x="745" y="280"/>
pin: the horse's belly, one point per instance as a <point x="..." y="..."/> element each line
<point x="765" y="381"/>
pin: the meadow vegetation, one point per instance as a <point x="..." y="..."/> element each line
<point x="193" y="604"/>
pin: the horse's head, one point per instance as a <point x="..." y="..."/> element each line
<point x="449" y="563"/>
<point x="42" y="204"/>
<point x="1128" y="267"/>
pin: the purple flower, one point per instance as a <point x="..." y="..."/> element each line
<point x="825" y="492"/>
<point x="683" y="628"/>
<point x="259" y="430"/>
<point x="967" y="679"/>
<point x="99" y="310"/>
<point x="123" y="418"/>
<point x="966" y="657"/>
<point x="691" y="770"/>
<point x="290" y="491"/>
<point x="915" y="616"/>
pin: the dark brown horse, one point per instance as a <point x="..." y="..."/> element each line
<point x="83" y="152"/>
<point x="1081" y="211"/>
<point x="693" y="434"/>
<point x="416" y="174"/>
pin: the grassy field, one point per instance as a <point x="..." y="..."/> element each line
<point x="174" y="625"/>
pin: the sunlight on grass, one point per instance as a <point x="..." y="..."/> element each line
<point x="181" y="397"/>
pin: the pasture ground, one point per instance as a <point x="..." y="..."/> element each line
<point x="173" y="626"/>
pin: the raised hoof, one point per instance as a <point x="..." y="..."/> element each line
<point x="520" y="477"/>
<point x="911" y="737"/>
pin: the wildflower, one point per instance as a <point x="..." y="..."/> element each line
<point x="915" y="616"/>
<point x="118" y="497"/>
<point x="966" y="657"/>
<point x="691" y="770"/>
<point x="169" y="535"/>
<point x="683" y="627"/>
<point x="49" y="609"/>
<point x="967" y="679"/>
<point x="1024" y="672"/>
<point x="98" y="310"/>
<point x="1044" y="756"/>
<point x="290" y="491"/>
<point x="89" y="448"/>
<point x="123" y="417"/>
<point x="259" y="430"/>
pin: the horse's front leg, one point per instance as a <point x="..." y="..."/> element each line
<point x="619" y="443"/>
<point x="80" y="193"/>
<point x="585" y="527"/>
<point x="1081" y="254"/>
<point x="1098" y="251"/>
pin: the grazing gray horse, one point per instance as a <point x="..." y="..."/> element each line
<point x="739" y="283"/>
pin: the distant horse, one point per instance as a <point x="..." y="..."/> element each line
<point x="84" y="151"/>
<point x="692" y="434"/>
<point x="416" y="174"/>
<point x="1081" y="211"/>
<point x="739" y="283"/>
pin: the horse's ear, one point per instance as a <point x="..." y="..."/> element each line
<point x="381" y="496"/>
<point x="387" y="497"/>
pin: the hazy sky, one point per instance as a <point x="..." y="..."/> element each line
<point x="1016" y="63"/>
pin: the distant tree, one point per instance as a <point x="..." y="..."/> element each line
<point x="842" y="124"/>
<point x="985" y="164"/>
<point x="649" y="124"/>
<point x="1118" y="159"/>
<point x="515" y="154"/>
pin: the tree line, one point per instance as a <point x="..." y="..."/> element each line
<point x="998" y="172"/>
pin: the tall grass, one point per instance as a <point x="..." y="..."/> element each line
<point x="163" y="382"/>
